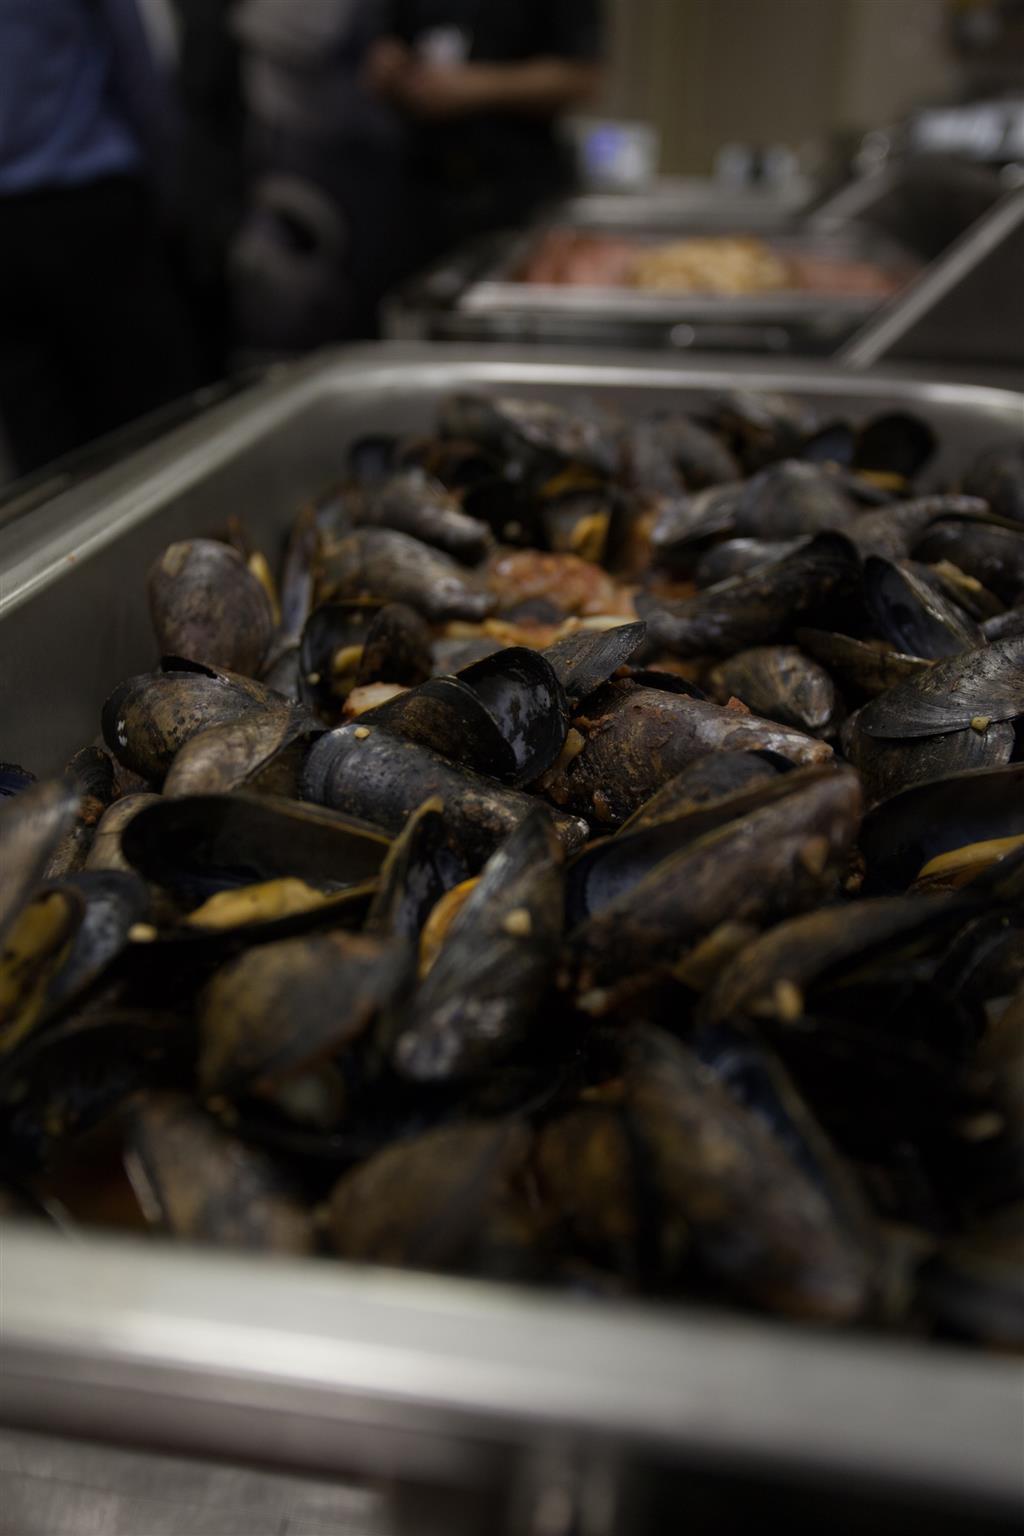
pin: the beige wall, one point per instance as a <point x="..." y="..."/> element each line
<point x="770" y="71"/>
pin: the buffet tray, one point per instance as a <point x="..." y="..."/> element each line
<point x="322" y="1366"/>
<point x="909" y="211"/>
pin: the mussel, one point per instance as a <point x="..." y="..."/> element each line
<point x="780" y="683"/>
<point x="207" y="606"/>
<point x="414" y="504"/>
<point x="393" y="567"/>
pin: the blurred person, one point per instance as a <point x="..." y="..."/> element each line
<point x="482" y="84"/>
<point x="320" y="241"/>
<point x="92" y="331"/>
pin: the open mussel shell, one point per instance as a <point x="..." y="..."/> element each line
<point x="420" y="506"/>
<point x="200" y="844"/>
<point x="632" y="740"/>
<point x="771" y="978"/>
<point x="905" y="833"/>
<point x="780" y="683"/>
<point x="366" y="771"/>
<point x="484" y="992"/>
<point x="426" y="1202"/>
<point x="757" y="1223"/>
<point x="979" y="688"/>
<point x="392" y="567"/>
<point x="419" y="870"/>
<point x="254" y="747"/>
<point x="991" y="552"/>
<point x="783" y="853"/>
<point x="331" y="652"/>
<point x="583" y="661"/>
<point x="70" y="1077"/>
<point x="197" y="1182"/>
<point x="281" y="1009"/>
<point x="998" y="476"/>
<point x="114" y="902"/>
<point x="207" y="605"/>
<point x="148" y="719"/>
<point x="868" y="666"/>
<point x="32" y="825"/>
<point x="590" y="523"/>
<point x="911" y="615"/>
<point x="714" y="790"/>
<point x="506" y="716"/>
<point x="758" y="607"/>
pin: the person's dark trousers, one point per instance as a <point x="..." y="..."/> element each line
<point x="93" y="332"/>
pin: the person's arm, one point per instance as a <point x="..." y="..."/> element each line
<point x="543" y="87"/>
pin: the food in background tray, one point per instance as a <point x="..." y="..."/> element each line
<point x="726" y="265"/>
<point x="598" y="860"/>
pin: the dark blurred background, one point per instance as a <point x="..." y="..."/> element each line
<point x="189" y="187"/>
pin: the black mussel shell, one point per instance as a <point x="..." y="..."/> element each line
<point x="206" y="604"/>
<point x="539" y="436"/>
<point x="789" y="499"/>
<point x="685" y="525"/>
<point x="105" y="852"/>
<point x="1004" y="625"/>
<point x="483" y="994"/>
<point x="772" y="977"/>
<point x="985" y="685"/>
<point x="716" y="789"/>
<point x="200" y="844"/>
<point x="893" y="530"/>
<point x="759" y="607"/>
<point x="911" y="615"/>
<point x="761" y="427"/>
<point x="331" y="652"/>
<point x="735" y="557"/>
<point x="148" y="719"/>
<point x="224" y="757"/>
<point x="382" y="564"/>
<point x="194" y="1180"/>
<point x="513" y="513"/>
<point x="904" y="833"/>
<point x="780" y="683"/>
<point x="505" y="716"/>
<point x="71" y="1077"/>
<point x="757" y="1222"/>
<point x="365" y="771"/>
<point x="419" y="869"/>
<point x="888" y="765"/>
<point x="585" y="660"/>
<point x="895" y="444"/>
<point x="834" y="443"/>
<point x="32" y="825"/>
<point x="398" y="648"/>
<point x="869" y="667"/>
<point x="278" y="1010"/>
<point x="990" y="552"/>
<point x="114" y="901"/>
<point x="998" y="476"/>
<point x="672" y="452"/>
<point x="415" y="504"/>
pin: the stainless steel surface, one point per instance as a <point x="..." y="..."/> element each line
<point x="686" y="198"/>
<point x="51" y="1487"/>
<point x="968" y="306"/>
<point x="318" y="1365"/>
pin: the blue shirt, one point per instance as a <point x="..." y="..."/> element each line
<point x="60" y="121"/>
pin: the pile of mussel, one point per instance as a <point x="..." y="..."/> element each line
<point x="595" y="858"/>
